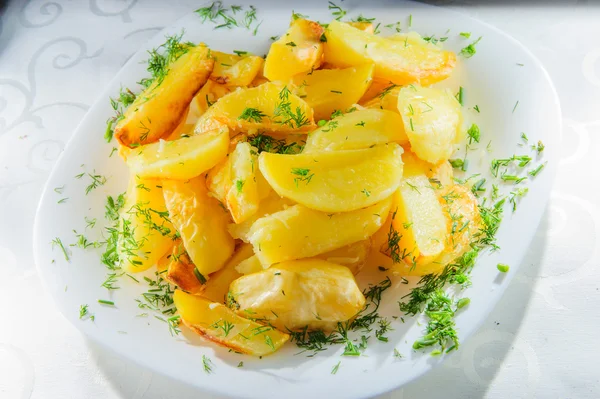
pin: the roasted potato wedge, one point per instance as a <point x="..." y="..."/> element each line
<point x="327" y="90"/>
<point x="181" y="272"/>
<point x="243" y="197"/>
<point x="439" y="175"/>
<point x="400" y="62"/>
<point x="418" y="230"/>
<point x="268" y="107"/>
<point x="298" y="232"/>
<point x="235" y="70"/>
<point x="273" y="203"/>
<point x="335" y="181"/>
<point x="182" y="159"/>
<point x="218" y="180"/>
<point x="309" y="293"/>
<point x="463" y="221"/>
<point x="208" y="95"/>
<point x="357" y="130"/>
<point x="432" y="121"/>
<point x="298" y="50"/>
<point x="250" y="265"/>
<point x="201" y="222"/>
<point x="145" y="230"/>
<point x="158" y="109"/>
<point x="217" y="286"/>
<point x="386" y="99"/>
<point x="352" y="256"/>
<point x="217" y="323"/>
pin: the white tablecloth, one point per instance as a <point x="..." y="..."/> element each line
<point x="540" y="341"/>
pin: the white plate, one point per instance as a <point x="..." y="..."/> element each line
<point x="492" y="80"/>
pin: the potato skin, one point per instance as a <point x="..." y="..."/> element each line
<point x="201" y="222"/>
<point x="181" y="271"/>
<point x="157" y="111"/>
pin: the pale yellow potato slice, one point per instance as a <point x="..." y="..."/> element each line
<point x="357" y="130"/>
<point x="273" y="203"/>
<point x="181" y="159"/>
<point x="335" y="181"/>
<point x="400" y="62"/>
<point x="271" y="107"/>
<point x="250" y="265"/>
<point x="145" y="230"/>
<point x="418" y="234"/>
<point x="242" y="197"/>
<point x="299" y="232"/>
<point x="217" y="286"/>
<point x="386" y="99"/>
<point x="219" y="324"/>
<point x="352" y="256"/>
<point x="296" y="51"/>
<point x="432" y="121"/>
<point x="327" y="90"/>
<point x="309" y="293"/>
<point x="201" y="222"/>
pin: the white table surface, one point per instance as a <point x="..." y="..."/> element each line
<point x="540" y="341"/>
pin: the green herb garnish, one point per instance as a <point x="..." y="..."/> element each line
<point x="470" y="50"/>
<point x="503" y="268"/>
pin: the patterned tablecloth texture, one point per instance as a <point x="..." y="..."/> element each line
<point x="540" y="341"/>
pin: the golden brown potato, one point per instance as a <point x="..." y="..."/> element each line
<point x="201" y="222"/>
<point x="293" y="295"/>
<point x="298" y="50"/>
<point x="399" y="61"/>
<point x="219" y="324"/>
<point x="235" y="70"/>
<point x="208" y="95"/>
<point x="364" y="26"/>
<point x="181" y="272"/>
<point x="158" y="109"/>
<point x="463" y="220"/>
